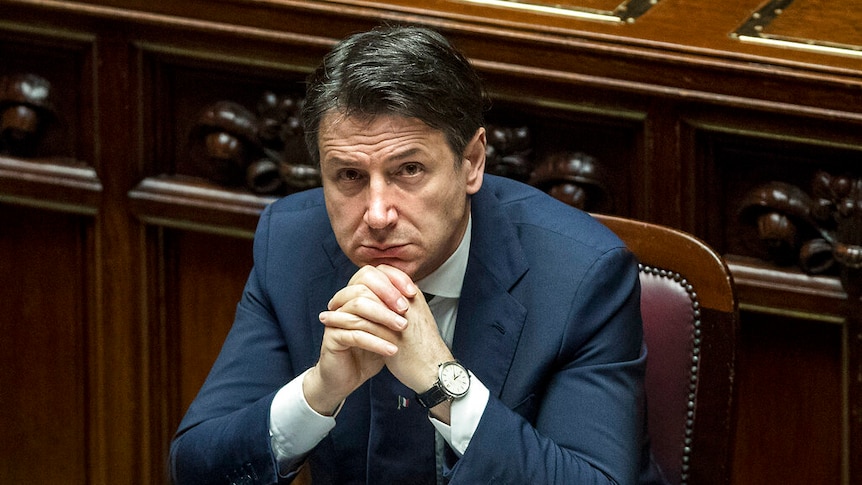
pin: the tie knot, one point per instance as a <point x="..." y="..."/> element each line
<point x="428" y="296"/>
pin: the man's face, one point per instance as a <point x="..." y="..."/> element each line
<point x="393" y="191"/>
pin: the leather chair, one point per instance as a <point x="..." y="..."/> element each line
<point x="691" y="325"/>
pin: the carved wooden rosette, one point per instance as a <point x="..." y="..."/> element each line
<point x="573" y="177"/>
<point x="509" y="151"/>
<point x="263" y="150"/>
<point x="822" y="232"/>
<point x="26" y="108"/>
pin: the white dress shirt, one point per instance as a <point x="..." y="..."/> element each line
<point x="296" y="428"/>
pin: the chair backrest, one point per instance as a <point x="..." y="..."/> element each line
<point x="691" y="324"/>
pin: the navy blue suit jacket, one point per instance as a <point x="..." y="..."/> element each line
<point x="549" y="321"/>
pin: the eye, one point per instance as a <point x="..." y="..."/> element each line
<point x="411" y="169"/>
<point x="349" y="175"/>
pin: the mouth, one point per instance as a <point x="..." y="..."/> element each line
<point x="401" y="256"/>
<point x="394" y="251"/>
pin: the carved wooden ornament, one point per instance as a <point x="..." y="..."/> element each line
<point x="264" y="150"/>
<point x="26" y="108"/>
<point x="818" y="231"/>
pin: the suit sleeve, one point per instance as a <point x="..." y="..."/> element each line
<point x="588" y="426"/>
<point x="224" y="436"/>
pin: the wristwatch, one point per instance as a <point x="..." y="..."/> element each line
<point x="453" y="381"/>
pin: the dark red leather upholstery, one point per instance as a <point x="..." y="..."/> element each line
<point x="689" y="308"/>
<point x="669" y="317"/>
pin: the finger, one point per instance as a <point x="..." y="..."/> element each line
<point x="379" y="283"/>
<point x="350" y="292"/>
<point x="375" y="312"/>
<point x="400" y="279"/>
<point x="339" y="339"/>
<point x="361" y="311"/>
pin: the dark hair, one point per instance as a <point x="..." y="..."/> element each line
<point x="408" y="71"/>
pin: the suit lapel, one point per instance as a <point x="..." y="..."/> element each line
<point x="490" y="319"/>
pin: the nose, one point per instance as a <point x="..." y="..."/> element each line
<point x="380" y="211"/>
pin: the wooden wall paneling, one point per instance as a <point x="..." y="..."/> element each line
<point x="790" y="414"/>
<point x="663" y="75"/>
<point x="747" y="162"/>
<point x="47" y="360"/>
<point x="181" y="85"/>
<point x="161" y="351"/>
<point x="688" y="53"/>
<point x="791" y="320"/>
<point x="84" y="163"/>
<point x="61" y="185"/>
<point x="701" y="194"/>
<point x="196" y="283"/>
<point x="565" y="116"/>
<point x="853" y="379"/>
<point x="49" y="192"/>
<point x="734" y="150"/>
<point x="210" y="274"/>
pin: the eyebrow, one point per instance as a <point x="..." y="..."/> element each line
<point x="406" y="154"/>
<point x="341" y="162"/>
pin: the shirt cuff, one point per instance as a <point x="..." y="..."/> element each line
<point x="295" y="428"/>
<point x="464" y="415"/>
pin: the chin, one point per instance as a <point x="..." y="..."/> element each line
<point x="405" y="267"/>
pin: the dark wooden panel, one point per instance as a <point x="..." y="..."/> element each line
<point x="195" y="282"/>
<point x="45" y="364"/>
<point x="789" y="426"/>
<point x="210" y="274"/>
<point x="199" y="279"/>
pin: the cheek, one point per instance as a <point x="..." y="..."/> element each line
<point x="443" y="217"/>
<point x="343" y="215"/>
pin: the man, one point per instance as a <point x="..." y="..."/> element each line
<point x="526" y="364"/>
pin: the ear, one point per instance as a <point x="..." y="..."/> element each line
<point x="474" y="161"/>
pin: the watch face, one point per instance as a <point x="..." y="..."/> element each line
<point x="455" y="379"/>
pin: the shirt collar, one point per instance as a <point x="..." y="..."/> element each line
<point x="446" y="281"/>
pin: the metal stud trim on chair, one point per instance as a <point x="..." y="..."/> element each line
<point x="695" y="360"/>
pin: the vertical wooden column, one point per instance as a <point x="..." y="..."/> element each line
<point x="120" y="419"/>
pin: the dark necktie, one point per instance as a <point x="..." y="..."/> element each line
<point x="401" y="439"/>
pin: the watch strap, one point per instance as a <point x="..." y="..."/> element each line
<point x="433" y="396"/>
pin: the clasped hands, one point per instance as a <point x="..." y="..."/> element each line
<point x="379" y="319"/>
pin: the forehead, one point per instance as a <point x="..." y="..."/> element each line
<point x="341" y="131"/>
